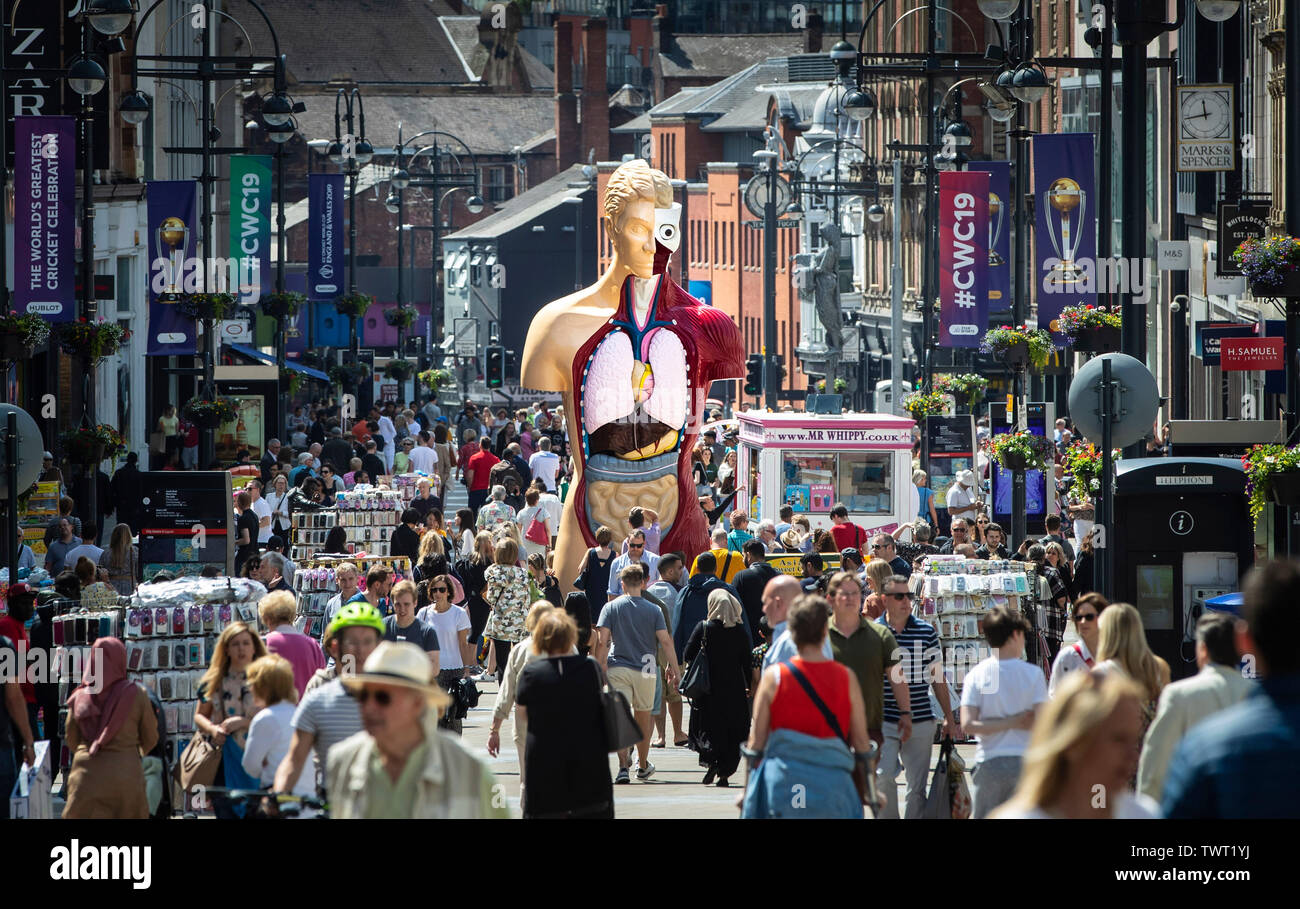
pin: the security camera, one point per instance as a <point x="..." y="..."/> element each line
<point x="1092" y="37"/>
<point x="1177" y="304"/>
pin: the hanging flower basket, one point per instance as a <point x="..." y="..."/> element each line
<point x="400" y="370"/>
<point x="433" y="379"/>
<point x="402" y="317"/>
<point x="214" y="306"/>
<point x="209" y="413"/>
<point x="1021" y="451"/>
<point x="87" y="446"/>
<point x="967" y="386"/>
<point x="349" y="375"/>
<point x="1271" y="265"/>
<point x="21" y="335"/>
<point x="282" y="305"/>
<point x="92" y="340"/>
<point x="922" y="404"/>
<point x="1083" y="464"/>
<point x="1272" y="475"/>
<point x="1020" y="347"/>
<point x="291" y="381"/>
<point x="353" y="306"/>
<point x="841" y="385"/>
<point x="1092" y="329"/>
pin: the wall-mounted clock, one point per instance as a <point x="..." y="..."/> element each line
<point x="1206" y="127"/>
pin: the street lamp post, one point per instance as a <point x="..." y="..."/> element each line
<point x="406" y="175"/>
<point x="350" y="150"/>
<point x="135" y="108"/>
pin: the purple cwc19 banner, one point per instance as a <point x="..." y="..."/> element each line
<point x="325" y="236"/>
<point x="45" y="188"/>
<point x="963" y="258"/>
<point x="999" y="273"/>
<point x="1065" y="229"/>
<point x="172" y="241"/>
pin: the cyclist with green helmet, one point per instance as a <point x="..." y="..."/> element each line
<point x="327" y="714"/>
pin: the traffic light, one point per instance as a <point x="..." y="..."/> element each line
<point x="496" y="366"/>
<point x="754" y="374"/>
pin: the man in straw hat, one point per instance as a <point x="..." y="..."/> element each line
<point x="401" y="765"/>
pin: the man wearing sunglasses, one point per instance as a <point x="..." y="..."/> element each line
<point x="960" y="535"/>
<point x="636" y="552"/>
<point x="882" y="547"/>
<point x="909" y="733"/>
<point x="400" y="765"/>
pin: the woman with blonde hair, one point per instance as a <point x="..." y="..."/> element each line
<point x="720" y="720"/>
<point x="505" y="702"/>
<point x="559" y="705"/>
<point x="508" y="595"/>
<point x="226" y="708"/>
<point x="1056" y="559"/>
<point x="925" y="506"/>
<point x="120" y="560"/>
<point x="1122" y="648"/>
<point x="878" y="573"/>
<point x="271" y="680"/>
<point x="1085" y="742"/>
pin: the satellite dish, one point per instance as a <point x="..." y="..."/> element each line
<point x="31" y="448"/>
<point x="1133" y="408"/>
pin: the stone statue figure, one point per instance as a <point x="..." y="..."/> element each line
<point x="826" y="287"/>
<point x="633" y="356"/>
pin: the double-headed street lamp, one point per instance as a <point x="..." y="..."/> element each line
<point x="351" y="151"/>
<point x="209" y="69"/>
<point x="438" y="167"/>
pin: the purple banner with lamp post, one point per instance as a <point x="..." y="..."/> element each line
<point x="1065" y="226"/>
<point x="172" y="240"/>
<point x="45" y="189"/>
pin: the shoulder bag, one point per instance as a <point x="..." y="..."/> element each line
<point x="536" y="532"/>
<point x="198" y="763"/>
<point x="695" y="683"/>
<point x="621" y="729"/>
<point x="864" y="775"/>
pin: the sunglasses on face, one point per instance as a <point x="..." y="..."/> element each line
<point x="1085" y="617"/>
<point x="438" y="589"/>
<point x="636" y="546"/>
<point x="981" y="523"/>
<point x="382" y="698"/>
<point x="897" y="596"/>
<point x="875" y="546"/>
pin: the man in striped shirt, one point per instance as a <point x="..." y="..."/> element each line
<point x="921" y="664"/>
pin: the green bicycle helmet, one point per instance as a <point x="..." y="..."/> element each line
<point x="360" y="615"/>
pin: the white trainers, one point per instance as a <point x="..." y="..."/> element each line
<point x="645" y="771"/>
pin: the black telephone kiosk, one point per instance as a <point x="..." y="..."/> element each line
<point x="1182" y="534"/>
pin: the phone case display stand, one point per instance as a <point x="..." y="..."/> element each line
<point x="314" y="584"/>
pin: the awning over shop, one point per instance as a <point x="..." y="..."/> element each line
<point x="256" y="354"/>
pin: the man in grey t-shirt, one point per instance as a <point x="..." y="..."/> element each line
<point x="635" y="628"/>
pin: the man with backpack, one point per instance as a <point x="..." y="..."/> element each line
<point x="847" y="534"/>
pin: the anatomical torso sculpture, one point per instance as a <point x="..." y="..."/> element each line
<point x="633" y="356"/>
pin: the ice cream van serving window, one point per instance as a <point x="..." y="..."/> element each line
<point x="862" y="480"/>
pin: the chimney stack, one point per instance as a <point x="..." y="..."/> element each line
<point x="595" y="95"/>
<point x="813" y="34"/>
<point x="566" y="102"/>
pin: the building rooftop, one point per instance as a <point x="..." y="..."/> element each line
<point x="739" y="101"/>
<point x="525" y="207"/>
<point x="721" y="55"/>
<point x="491" y="124"/>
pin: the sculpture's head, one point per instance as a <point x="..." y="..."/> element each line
<point x="633" y="193"/>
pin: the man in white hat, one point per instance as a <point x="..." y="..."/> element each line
<point x="963" y="497"/>
<point x="401" y="765"/>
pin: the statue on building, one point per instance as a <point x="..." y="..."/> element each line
<point x="633" y="356"/>
<point x="826" y="295"/>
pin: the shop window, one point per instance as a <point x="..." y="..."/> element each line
<point x="808" y="482"/>
<point x="865" y="483"/>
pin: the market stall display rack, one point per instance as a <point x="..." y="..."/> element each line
<point x="314" y="584"/>
<point x="74" y="631"/>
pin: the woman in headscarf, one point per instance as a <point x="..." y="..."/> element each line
<point x="720" y="720"/>
<point x="111" y="725"/>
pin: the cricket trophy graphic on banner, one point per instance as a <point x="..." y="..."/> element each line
<point x="633" y="356"/>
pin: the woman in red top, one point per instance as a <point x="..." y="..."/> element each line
<point x="786" y="715"/>
<point x="782" y="703"/>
